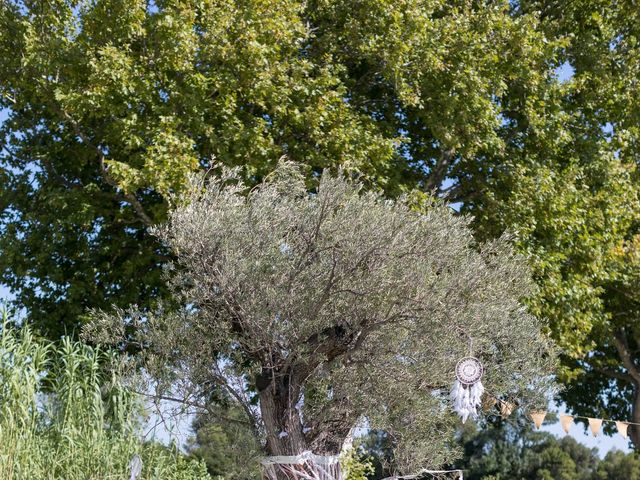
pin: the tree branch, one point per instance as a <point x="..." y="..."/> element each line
<point x="197" y="405"/>
<point x="439" y="171"/>
<point x="455" y="193"/>
<point x="625" y="377"/>
<point x="252" y="420"/>
<point x="622" y="346"/>
<point x="129" y="197"/>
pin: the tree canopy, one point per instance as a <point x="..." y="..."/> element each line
<point x="571" y="196"/>
<point x="112" y="103"/>
<point x="314" y="312"/>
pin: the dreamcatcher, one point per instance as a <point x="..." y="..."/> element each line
<point x="466" y="394"/>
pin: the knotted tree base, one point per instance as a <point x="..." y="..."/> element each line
<point x="305" y="466"/>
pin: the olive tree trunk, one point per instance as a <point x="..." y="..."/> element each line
<point x="315" y="453"/>
<point x="282" y="422"/>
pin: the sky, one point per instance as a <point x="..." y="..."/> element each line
<point x="565" y="72"/>
<point x="4" y="293"/>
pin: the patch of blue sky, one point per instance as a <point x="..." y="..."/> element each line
<point x="447" y="183"/>
<point x="4" y="291"/>
<point x="5" y="294"/>
<point x="565" y="72"/>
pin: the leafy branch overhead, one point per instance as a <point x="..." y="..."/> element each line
<point x="312" y="312"/>
<point x="111" y="106"/>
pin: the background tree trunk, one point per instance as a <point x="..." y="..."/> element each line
<point x="634" y="430"/>
<point x="627" y="357"/>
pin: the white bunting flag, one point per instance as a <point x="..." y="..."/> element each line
<point x="538" y="417"/>
<point x="488" y="402"/>
<point x="506" y="408"/>
<point x="566" y="421"/>
<point x="594" y="425"/>
<point x="622" y="428"/>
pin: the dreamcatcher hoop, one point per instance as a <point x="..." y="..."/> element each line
<point x="469" y="370"/>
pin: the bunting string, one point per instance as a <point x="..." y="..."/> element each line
<point x="566" y="420"/>
<point x="606" y="420"/>
<point x="595" y="424"/>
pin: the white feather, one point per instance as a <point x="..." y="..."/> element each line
<point x="466" y="399"/>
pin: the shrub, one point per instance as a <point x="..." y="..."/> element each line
<point x="63" y="416"/>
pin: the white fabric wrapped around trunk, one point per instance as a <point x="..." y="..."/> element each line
<point x="305" y="466"/>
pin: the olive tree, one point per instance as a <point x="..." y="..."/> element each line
<point x="315" y="312"/>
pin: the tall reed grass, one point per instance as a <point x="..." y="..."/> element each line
<point x="62" y="416"/>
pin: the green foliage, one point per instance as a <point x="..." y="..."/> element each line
<point x="113" y="103"/>
<point x="62" y="416"/>
<point x="618" y="465"/>
<point x="313" y="311"/>
<point x="355" y="465"/>
<point x="570" y="192"/>
<point x="378" y="448"/>
<point x="513" y="450"/>
<point x="227" y="446"/>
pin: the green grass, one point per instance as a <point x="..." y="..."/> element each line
<point x="62" y="416"/>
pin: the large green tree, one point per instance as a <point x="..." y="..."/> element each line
<point x="569" y="189"/>
<point x="112" y="103"/>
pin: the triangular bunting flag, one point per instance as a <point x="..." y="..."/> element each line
<point x="594" y="425"/>
<point x="488" y="402"/>
<point x="506" y="408"/>
<point x="538" y="417"/>
<point x="566" y="421"/>
<point x="622" y="428"/>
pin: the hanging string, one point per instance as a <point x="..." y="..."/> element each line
<point x="573" y="416"/>
<point x="470" y="353"/>
<point x="606" y="420"/>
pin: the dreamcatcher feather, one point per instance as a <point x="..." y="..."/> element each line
<point x="466" y="394"/>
